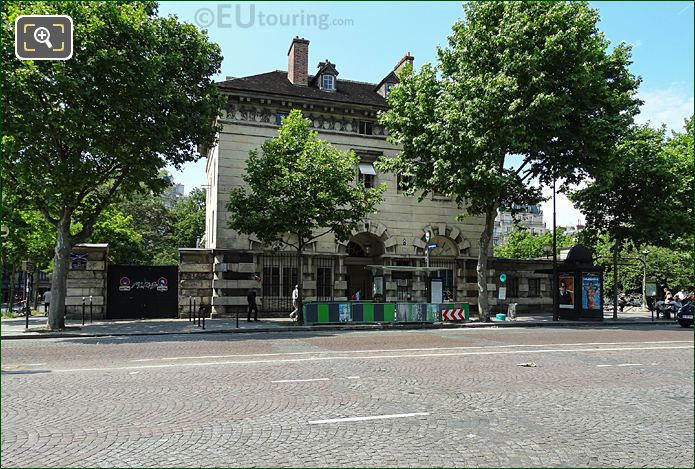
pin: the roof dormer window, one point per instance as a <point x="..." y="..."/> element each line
<point x="328" y="82"/>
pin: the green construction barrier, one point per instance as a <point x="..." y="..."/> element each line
<point x="417" y="312"/>
<point x="325" y="313"/>
<point x="373" y="312"/>
<point x="464" y="306"/>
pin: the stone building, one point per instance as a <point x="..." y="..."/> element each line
<point x="344" y="113"/>
<point x="527" y="216"/>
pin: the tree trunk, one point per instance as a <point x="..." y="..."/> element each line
<point x="300" y="285"/>
<point x="12" y="282"/>
<point x="485" y="238"/>
<point x="61" y="265"/>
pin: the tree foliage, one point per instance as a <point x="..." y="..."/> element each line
<point x="137" y="95"/>
<point x="533" y="79"/>
<point x="621" y="200"/>
<point x="299" y="188"/>
<point x="520" y="244"/>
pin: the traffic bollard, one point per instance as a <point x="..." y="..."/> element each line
<point x="190" y="308"/>
<point x="27" y="311"/>
<point x="204" y="313"/>
<point x="91" y="311"/>
<point x="83" y="305"/>
<point x="237" y="318"/>
<point x="193" y="310"/>
<point x="200" y="312"/>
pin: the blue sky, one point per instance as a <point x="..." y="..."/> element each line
<point x="366" y="39"/>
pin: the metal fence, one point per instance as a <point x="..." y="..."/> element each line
<point x="279" y="274"/>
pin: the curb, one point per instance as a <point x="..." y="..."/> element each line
<point x="354" y="327"/>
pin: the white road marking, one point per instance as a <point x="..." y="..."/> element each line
<point x="133" y="372"/>
<point x="27" y="364"/>
<point x="353" y="377"/>
<point x="199" y="357"/>
<point x="371" y="357"/>
<point x="625" y="364"/>
<point x="299" y="380"/>
<point x="371" y="417"/>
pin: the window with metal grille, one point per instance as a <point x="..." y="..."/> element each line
<point x="271" y="281"/>
<point x="513" y="288"/>
<point x="323" y="282"/>
<point x="534" y="287"/>
<point x="289" y="280"/>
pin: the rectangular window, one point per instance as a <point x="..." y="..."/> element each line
<point x="324" y="280"/>
<point x="289" y="280"/>
<point x="513" y="288"/>
<point x="366" y="174"/>
<point x="403" y="182"/>
<point x="328" y="81"/>
<point x="389" y="87"/>
<point x="534" y="287"/>
<point x="366" y="128"/>
<point x="271" y="281"/>
<point x="279" y="116"/>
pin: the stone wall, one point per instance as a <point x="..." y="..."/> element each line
<point x="87" y="278"/>
<point x="523" y="271"/>
<point x="195" y="278"/>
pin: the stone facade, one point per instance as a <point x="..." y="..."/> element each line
<point x="87" y="278"/>
<point x="394" y="236"/>
<point x="195" y="279"/>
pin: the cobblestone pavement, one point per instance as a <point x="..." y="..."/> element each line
<point x="596" y="397"/>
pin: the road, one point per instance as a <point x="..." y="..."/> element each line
<point x="596" y="397"/>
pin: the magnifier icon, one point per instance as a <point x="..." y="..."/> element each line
<point x="43" y="36"/>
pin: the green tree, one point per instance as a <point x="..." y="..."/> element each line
<point x="152" y="221"/>
<point x="532" y="79"/>
<point x="299" y="189"/>
<point x="116" y="229"/>
<point x="620" y="202"/>
<point x="188" y="219"/>
<point x="520" y="244"/>
<point x="137" y="95"/>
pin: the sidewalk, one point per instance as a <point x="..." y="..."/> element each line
<point x="15" y="328"/>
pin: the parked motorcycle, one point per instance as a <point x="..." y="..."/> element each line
<point x="684" y="316"/>
<point x="667" y="309"/>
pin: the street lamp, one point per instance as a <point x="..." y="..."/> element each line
<point x="645" y="253"/>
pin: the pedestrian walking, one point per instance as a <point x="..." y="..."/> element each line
<point x="251" y="298"/>
<point x="295" y="303"/>
<point x="47" y="300"/>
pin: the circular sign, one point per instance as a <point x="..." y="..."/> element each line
<point x="124" y="281"/>
<point x="162" y="281"/>
<point x="503" y="278"/>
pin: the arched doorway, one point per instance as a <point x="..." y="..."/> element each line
<point x="362" y="250"/>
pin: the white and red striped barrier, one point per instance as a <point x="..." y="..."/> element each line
<point x="453" y="314"/>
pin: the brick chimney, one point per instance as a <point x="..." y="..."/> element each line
<point x="298" y="62"/>
<point x="407" y="59"/>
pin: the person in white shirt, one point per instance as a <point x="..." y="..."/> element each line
<point x="680" y="296"/>
<point x="295" y="302"/>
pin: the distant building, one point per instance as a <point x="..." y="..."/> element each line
<point x="527" y="216"/>
<point x="574" y="229"/>
<point x="174" y="194"/>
